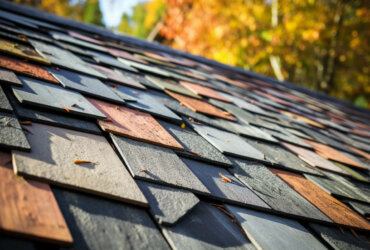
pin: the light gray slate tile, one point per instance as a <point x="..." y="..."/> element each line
<point x="245" y="105"/>
<point x="277" y="155"/>
<point x="48" y="95"/>
<point x="53" y="160"/>
<point x="287" y="137"/>
<point x="144" y="67"/>
<point x="267" y="231"/>
<point x="109" y="60"/>
<point x="52" y="118"/>
<point x="361" y="208"/>
<point x="101" y="224"/>
<point x="157" y="164"/>
<point x="4" y="102"/>
<point x="9" y="77"/>
<point x="275" y="192"/>
<point x="247" y="130"/>
<point x="69" y="39"/>
<point x="145" y="101"/>
<point x="206" y="227"/>
<point x="11" y="133"/>
<point x="64" y="58"/>
<point x="339" y="189"/>
<point x="341" y="240"/>
<point x="196" y="146"/>
<point x="228" y="143"/>
<point x="85" y="84"/>
<point x="234" y="192"/>
<point x="167" y="204"/>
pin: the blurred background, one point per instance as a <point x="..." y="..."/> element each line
<point x="319" y="44"/>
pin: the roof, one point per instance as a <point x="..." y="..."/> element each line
<point x="110" y="142"/>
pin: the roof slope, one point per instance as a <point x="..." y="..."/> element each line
<point x="110" y="142"/>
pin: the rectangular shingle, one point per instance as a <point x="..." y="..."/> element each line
<point x="334" y="209"/>
<point x="85" y="84"/>
<point x="78" y="161"/>
<point x="101" y="224"/>
<point x="228" y="143"/>
<point x="206" y="227"/>
<point x="268" y="231"/>
<point x="134" y="124"/>
<point x="63" y="58"/>
<point x="156" y="164"/>
<point x="28" y="208"/>
<point x="52" y="118"/>
<point x="4" y="102"/>
<point x="26" y="68"/>
<point x="145" y="101"/>
<point x="9" y="77"/>
<point x="196" y="146"/>
<point x="11" y="133"/>
<point x="275" y="192"/>
<point x="201" y="106"/>
<point x="224" y="186"/>
<point x="46" y="95"/>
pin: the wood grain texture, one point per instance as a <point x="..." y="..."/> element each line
<point x="334" y="209"/>
<point x="28" y="208"/>
<point x="134" y="124"/>
<point x="27" y="69"/>
<point x="204" y="91"/>
<point x="53" y="156"/>
<point x="201" y="106"/>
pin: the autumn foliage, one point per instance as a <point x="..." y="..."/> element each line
<point x="320" y="44"/>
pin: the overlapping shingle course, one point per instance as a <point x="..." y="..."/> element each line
<point x="135" y="145"/>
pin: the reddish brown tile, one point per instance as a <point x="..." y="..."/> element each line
<point x="333" y="154"/>
<point x="28" y="208"/>
<point x="204" y="91"/>
<point x="334" y="209"/>
<point x="85" y="38"/>
<point x="134" y="124"/>
<point x="124" y="54"/>
<point x="27" y="69"/>
<point x="200" y="106"/>
<point x="364" y="154"/>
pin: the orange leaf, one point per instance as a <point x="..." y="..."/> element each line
<point x="64" y="107"/>
<point x="224" y="178"/>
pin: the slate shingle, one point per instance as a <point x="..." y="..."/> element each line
<point x="53" y="160"/>
<point x="47" y="95"/>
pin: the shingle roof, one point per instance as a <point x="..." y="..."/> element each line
<point x="110" y="142"/>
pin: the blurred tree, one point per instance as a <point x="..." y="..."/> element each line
<point x="320" y="44"/>
<point x="144" y="18"/>
<point x="80" y="10"/>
